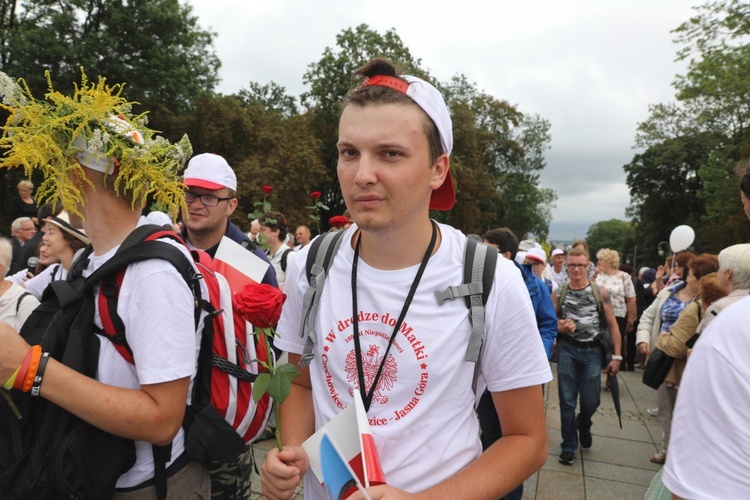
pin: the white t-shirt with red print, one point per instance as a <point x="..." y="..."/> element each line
<point x="422" y="413"/>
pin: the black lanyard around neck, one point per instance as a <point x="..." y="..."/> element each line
<point x="367" y="395"/>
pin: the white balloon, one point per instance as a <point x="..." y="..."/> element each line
<point x="681" y="238"/>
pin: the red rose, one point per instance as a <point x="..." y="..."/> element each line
<point x="266" y="189"/>
<point x="338" y="221"/>
<point x="260" y="304"/>
<point x="315" y="195"/>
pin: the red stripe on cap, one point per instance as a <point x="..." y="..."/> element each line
<point x="387" y="81"/>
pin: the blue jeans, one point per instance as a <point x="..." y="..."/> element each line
<point x="579" y="372"/>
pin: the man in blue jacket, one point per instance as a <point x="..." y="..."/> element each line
<point x="507" y="245"/>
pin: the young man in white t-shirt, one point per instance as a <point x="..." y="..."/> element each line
<point x="395" y="138"/>
<point x="273" y="227"/>
<point x="144" y="401"/>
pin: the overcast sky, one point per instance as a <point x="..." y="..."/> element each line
<point x="590" y="67"/>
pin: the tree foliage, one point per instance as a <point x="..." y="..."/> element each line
<point x="686" y="174"/>
<point x="497" y="156"/>
<point x="155" y="46"/>
<point x="614" y="234"/>
<point x="264" y="149"/>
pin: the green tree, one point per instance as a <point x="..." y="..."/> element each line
<point x="693" y="145"/>
<point x="614" y="234"/>
<point x="263" y="148"/>
<point x="272" y="97"/>
<point x="155" y="46"/>
<point x="664" y="188"/>
<point x="497" y="156"/>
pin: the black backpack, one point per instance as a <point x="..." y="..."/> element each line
<point x="45" y="451"/>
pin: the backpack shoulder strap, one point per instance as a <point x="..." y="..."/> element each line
<point x="249" y="244"/>
<point x="319" y="260"/>
<point x="140" y="245"/>
<point x="20" y="299"/>
<point x="284" y="257"/>
<point x="561" y="298"/>
<point x="480" y="262"/>
<point x="479" y="266"/>
<point x="597" y="295"/>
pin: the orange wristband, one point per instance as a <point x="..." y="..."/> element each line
<point x="22" y="371"/>
<point x="36" y="357"/>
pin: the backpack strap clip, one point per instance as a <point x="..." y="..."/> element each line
<point x="479" y="271"/>
<point x="454" y="292"/>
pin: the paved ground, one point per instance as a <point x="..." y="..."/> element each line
<point x="616" y="466"/>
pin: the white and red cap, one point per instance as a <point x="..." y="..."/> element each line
<point x="520" y="256"/>
<point x="558" y="251"/>
<point x="427" y="97"/>
<point x="537" y="254"/>
<point x="210" y="171"/>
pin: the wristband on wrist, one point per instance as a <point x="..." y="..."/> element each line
<point x="615" y="357"/>
<point x="37" y="385"/>
<point x="36" y="357"/>
<point x="22" y="371"/>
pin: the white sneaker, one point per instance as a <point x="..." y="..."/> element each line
<point x="652" y="411"/>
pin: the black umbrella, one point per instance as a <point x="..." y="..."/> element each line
<point x="614" y="389"/>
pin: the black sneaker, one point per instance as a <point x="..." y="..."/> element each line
<point x="567" y="457"/>
<point x="585" y="439"/>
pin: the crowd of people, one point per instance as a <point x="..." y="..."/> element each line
<point x="445" y="422"/>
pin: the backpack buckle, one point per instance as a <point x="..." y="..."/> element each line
<point x="450" y="293"/>
<point x="306" y="359"/>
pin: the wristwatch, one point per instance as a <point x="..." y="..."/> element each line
<point x="616" y="357"/>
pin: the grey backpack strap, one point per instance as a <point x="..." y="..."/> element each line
<point x="474" y="259"/>
<point x="479" y="271"/>
<point x="319" y="260"/>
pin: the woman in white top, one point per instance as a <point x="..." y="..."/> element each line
<point x="62" y="241"/>
<point x="622" y="291"/>
<point x="15" y="303"/>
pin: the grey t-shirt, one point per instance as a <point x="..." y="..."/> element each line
<point x="580" y="306"/>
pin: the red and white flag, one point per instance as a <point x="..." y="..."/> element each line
<point x="350" y="432"/>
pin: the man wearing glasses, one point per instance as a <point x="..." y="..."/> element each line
<point x="211" y="199"/>
<point x="22" y="229"/>
<point x="579" y="352"/>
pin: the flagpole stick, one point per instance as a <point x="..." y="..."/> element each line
<point x="362" y="490"/>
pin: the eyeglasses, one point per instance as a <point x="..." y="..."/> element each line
<point x="208" y="200"/>
<point x="27" y="229"/>
<point x="574" y="266"/>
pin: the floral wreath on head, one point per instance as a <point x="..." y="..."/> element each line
<point x="94" y="126"/>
